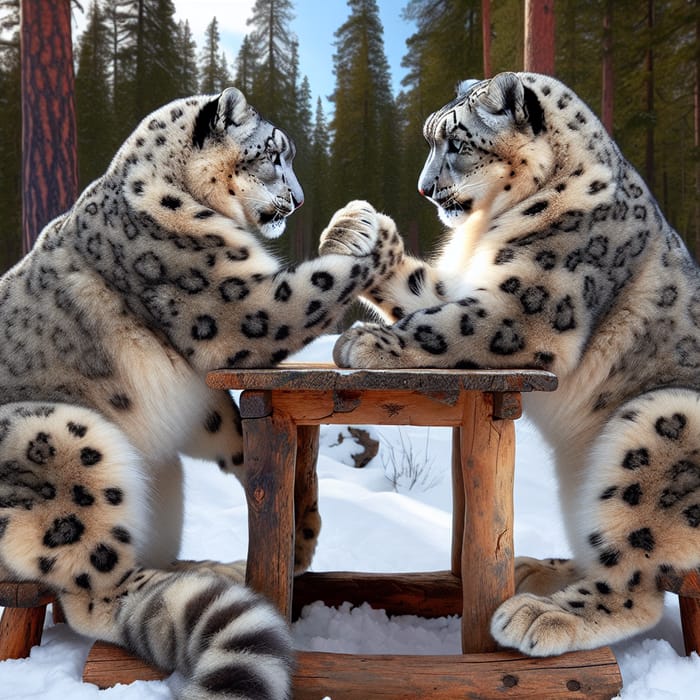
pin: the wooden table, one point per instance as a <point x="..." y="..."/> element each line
<point x="282" y="409"/>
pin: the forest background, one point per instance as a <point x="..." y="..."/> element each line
<point x="636" y="63"/>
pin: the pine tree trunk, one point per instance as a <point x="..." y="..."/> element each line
<point x="608" y="74"/>
<point x="486" y="35"/>
<point x="49" y="156"/>
<point x="649" y="67"/>
<point x="539" y="36"/>
<point x="696" y="134"/>
<point x="140" y="82"/>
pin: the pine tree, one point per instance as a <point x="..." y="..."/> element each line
<point x="10" y="138"/>
<point x="319" y="170"/>
<point x="214" y="76"/>
<point x="622" y="30"/>
<point x="49" y="141"/>
<point x="363" y="160"/>
<point x="539" y="36"/>
<point x="146" y="61"/>
<point x="186" y="55"/>
<point x="246" y="66"/>
<point x="267" y="70"/>
<point x="225" y="73"/>
<point x="273" y="90"/>
<point x="161" y="71"/>
<point x="303" y="231"/>
<point x="439" y="55"/>
<point x="94" y="111"/>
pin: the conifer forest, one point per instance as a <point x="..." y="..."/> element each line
<point x="635" y="63"/>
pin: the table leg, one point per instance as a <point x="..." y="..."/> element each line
<point x="20" y="630"/>
<point x="269" y="446"/>
<point x="690" y="619"/>
<point x="305" y="495"/>
<point x="488" y="455"/>
<point x="457" y="502"/>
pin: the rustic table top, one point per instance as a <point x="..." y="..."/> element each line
<point x="302" y="376"/>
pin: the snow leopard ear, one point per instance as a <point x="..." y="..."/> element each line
<point x="233" y="108"/>
<point x="205" y="123"/>
<point x="230" y="108"/>
<point x="464" y="86"/>
<point x="507" y="98"/>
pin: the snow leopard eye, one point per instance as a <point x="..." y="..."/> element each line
<point x="455" y="145"/>
<point x="272" y="151"/>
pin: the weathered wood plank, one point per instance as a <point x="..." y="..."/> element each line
<point x="428" y="594"/>
<point x="269" y="444"/>
<point x="325" y="377"/>
<point x="107" y="665"/>
<point x="690" y="619"/>
<point x="457" y="503"/>
<point x="591" y="674"/>
<point x="20" y="630"/>
<point x="24" y="595"/>
<point x="487" y="460"/>
<point x="362" y="407"/>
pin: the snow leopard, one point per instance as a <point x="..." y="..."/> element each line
<point x="557" y="257"/>
<point x="156" y="275"/>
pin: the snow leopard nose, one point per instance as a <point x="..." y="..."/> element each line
<point x="296" y="193"/>
<point x="428" y="179"/>
<point x="428" y="191"/>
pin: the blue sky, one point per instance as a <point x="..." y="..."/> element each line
<point x="315" y="23"/>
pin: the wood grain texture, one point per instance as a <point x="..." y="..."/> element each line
<point x="281" y="410"/>
<point x="367" y="407"/>
<point x="687" y="586"/>
<point x="428" y="594"/>
<point x="20" y="630"/>
<point x="488" y="460"/>
<point x="690" y="621"/>
<point x="24" y="595"/>
<point x="457" y="503"/>
<point x="107" y="665"/>
<point x="325" y="376"/>
<point x="592" y="674"/>
<point x="269" y="444"/>
<point x="49" y="141"/>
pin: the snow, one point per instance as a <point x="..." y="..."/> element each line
<point x="370" y="523"/>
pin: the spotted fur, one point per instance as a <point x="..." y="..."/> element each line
<point x="155" y="276"/>
<point x="558" y="258"/>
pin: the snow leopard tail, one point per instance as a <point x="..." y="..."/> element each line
<point x="225" y="640"/>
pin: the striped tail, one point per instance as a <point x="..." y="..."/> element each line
<point x="226" y="641"/>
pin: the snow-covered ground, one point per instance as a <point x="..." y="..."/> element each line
<point x="373" y="520"/>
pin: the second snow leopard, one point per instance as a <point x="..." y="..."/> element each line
<point x="559" y="258"/>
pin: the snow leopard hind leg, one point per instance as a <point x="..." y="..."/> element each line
<point x="638" y="516"/>
<point x="75" y="514"/>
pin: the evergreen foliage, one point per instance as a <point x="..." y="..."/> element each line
<point x="438" y="56"/>
<point x="273" y="89"/>
<point x="246" y="62"/>
<point x="212" y="62"/>
<point x="94" y="109"/>
<point x="134" y="55"/>
<point x="186" y="66"/>
<point x="364" y="145"/>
